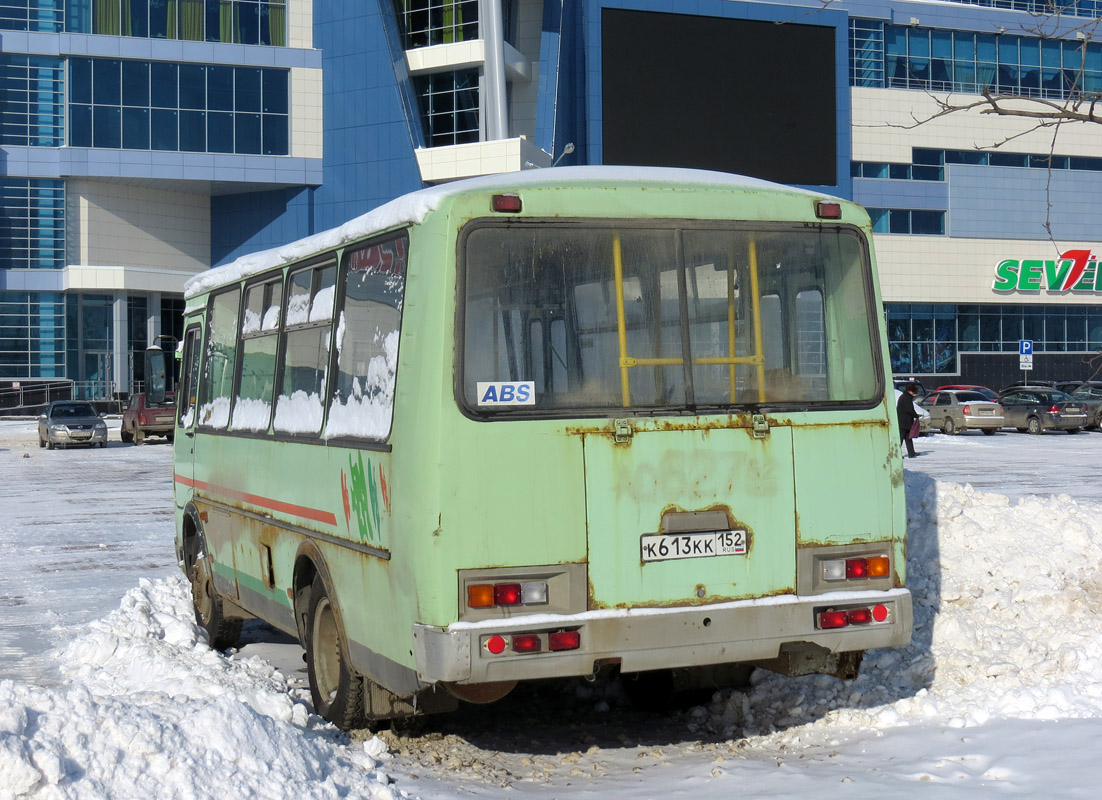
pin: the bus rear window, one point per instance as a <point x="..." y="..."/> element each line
<point x="564" y="316"/>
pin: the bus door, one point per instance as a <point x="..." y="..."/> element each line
<point x="690" y="493"/>
<point x="186" y="412"/>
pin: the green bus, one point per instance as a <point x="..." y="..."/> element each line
<point x="545" y="424"/>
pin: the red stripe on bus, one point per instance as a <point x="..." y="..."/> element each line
<point x="305" y="512"/>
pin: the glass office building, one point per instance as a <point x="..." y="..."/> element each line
<point x="145" y="141"/>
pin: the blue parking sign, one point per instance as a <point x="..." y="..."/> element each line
<point x="1025" y="347"/>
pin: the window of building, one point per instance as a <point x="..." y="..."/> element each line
<point x="907" y="220"/>
<point x="31" y="100"/>
<point x="429" y="22"/>
<point x="32" y="329"/>
<point x="1068" y="8"/>
<point x="32" y="223"/>
<point x="143" y="105"/>
<point x="925" y="338"/>
<point x="238" y="21"/>
<point x="449" y="106"/>
<point x="30" y="15"/>
<point x="962" y="61"/>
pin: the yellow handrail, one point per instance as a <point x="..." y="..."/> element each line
<point x="618" y="274"/>
<point x="757" y="359"/>
<point x="755" y="304"/>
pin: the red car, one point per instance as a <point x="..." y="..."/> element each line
<point x="141" y="419"/>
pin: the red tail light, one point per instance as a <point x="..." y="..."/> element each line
<point x="1054" y="409"/>
<point x="833" y="619"/>
<point x="968" y="409"/>
<point x="857" y="568"/>
<point x="141" y="419"/>
<point x="526" y="643"/>
<point x="564" y="640"/>
<point x="507" y="594"/>
<point x="859" y="616"/>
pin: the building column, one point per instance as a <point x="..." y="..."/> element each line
<point x="120" y="328"/>
<point x="491" y="29"/>
<point x="152" y="318"/>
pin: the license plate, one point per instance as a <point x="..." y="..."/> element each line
<point x="697" y="544"/>
<point x="80" y="435"/>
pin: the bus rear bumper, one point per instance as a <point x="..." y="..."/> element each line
<point x="657" y="638"/>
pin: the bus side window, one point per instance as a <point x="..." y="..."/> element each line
<point x="307" y="332"/>
<point x="189" y="378"/>
<point x="367" y="340"/>
<point x="218" y="361"/>
<point x="252" y="408"/>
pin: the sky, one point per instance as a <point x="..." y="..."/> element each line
<point x="108" y="690"/>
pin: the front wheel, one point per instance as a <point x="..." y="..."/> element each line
<point x="1033" y="425"/>
<point x="41" y="442"/>
<point x="1073" y="430"/>
<point x="337" y="691"/>
<point x="988" y="431"/>
<point x="948" y="427"/>
<point x="222" y="631"/>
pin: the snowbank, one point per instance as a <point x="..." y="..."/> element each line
<point x="148" y="710"/>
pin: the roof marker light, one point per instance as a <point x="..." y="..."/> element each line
<point x="825" y="210"/>
<point x="506" y="203"/>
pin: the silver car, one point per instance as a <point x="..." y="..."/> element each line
<point x="68" y="422"/>
<point x="959" y="410"/>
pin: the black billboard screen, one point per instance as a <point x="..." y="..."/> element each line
<point x="743" y="96"/>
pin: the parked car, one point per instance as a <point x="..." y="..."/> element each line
<point x="68" y="422"/>
<point x="923" y="414"/>
<point x="141" y="419"/>
<point x="1026" y="384"/>
<point x="990" y="394"/>
<point x="1039" y="408"/>
<point x="1089" y="393"/>
<point x="956" y="411"/>
<point x="901" y="384"/>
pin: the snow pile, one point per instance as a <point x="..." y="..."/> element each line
<point x="148" y="710"/>
<point x="1008" y="609"/>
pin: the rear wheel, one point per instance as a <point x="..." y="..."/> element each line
<point x="1073" y="430"/>
<point x="126" y="435"/>
<point x="988" y="431"/>
<point x="50" y="443"/>
<point x="1033" y="425"/>
<point x="139" y="436"/>
<point x="948" y="426"/>
<point x="222" y="631"/>
<point x="337" y="691"/>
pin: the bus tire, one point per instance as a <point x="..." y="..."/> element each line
<point x="337" y="691"/>
<point x="222" y="631"/>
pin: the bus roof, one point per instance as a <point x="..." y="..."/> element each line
<point x="413" y="207"/>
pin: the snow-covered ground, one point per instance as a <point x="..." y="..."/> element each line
<point x="107" y="689"/>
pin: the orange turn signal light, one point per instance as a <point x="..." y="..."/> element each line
<point x="480" y="595"/>
<point x="879" y="567"/>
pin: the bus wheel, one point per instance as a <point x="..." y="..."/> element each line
<point x="337" y="691"/>
<point x="222" y="631"/>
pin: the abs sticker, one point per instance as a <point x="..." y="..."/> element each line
<point x="506" y="393"/>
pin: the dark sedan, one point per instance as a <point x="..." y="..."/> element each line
<point x="1039" y="409"/>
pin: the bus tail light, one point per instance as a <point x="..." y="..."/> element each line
<point x="855" y="569"/>
<point x="841" y="618"/>
<point x="564" y="640"/>
<point x="491" y="595"/>
<point x="526" y="643"/>
<point x="879" y="567"/>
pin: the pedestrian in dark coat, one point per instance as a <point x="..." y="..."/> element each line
<point x="908" y="418"/>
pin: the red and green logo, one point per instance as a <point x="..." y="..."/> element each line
<point x="1074" y="271"/>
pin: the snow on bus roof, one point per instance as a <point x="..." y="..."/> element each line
<point x="413" y="207"/>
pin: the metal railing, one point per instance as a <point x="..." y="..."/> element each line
<point x="31" y="395"/>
